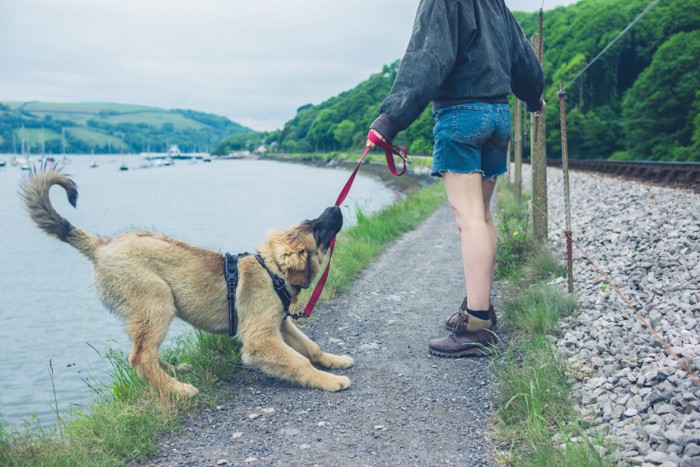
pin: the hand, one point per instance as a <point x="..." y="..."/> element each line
<point x="544" y="105"/>
<point x="370" y="144"/>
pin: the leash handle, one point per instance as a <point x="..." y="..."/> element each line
<point x="389" y="151"/>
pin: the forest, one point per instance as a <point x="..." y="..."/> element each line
<point x="640" y="100"/>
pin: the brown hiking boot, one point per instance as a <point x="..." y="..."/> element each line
<point x="463" y="342"/>
<point x="452" y="321"/>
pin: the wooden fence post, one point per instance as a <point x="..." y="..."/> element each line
<point x="567" y="197"/>
<point x="518" y="150"/>
<point x="538" y="164"/>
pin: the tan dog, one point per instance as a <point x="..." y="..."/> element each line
<point x="149" y="278"/>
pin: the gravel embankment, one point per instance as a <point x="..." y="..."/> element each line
<point x="647" y="240"/>
<point x="405" y="407"/>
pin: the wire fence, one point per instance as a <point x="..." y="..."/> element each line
<point x="538" y="211"/>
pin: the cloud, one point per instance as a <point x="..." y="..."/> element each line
<point x="255" y="61"/>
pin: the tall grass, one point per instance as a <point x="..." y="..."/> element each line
<point x="514" y="241"/>
<point x="120" y="426"/>
<point x="534" y="416"/>
<point x="128" y="414"/>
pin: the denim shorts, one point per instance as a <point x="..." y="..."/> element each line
<point x="471" y="138"/>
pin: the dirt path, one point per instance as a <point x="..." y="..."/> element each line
<point x="405" y="407"/>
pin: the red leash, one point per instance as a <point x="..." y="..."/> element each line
<point x="389" y="151"/>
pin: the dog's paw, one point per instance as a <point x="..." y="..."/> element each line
<point x="328" y="360"/>
<point x="335" y="383"/>
<point x="341" y="361"/>
<point x="344" y="361"/>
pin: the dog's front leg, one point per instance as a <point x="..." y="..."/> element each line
<point x="301" y="343"/>
<point x="272" y="355"/>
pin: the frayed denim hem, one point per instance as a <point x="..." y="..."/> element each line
<point x="483" y="175"/>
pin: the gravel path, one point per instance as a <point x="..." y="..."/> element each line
<point x="647" y="240"/>
<point x="405" y="407"/>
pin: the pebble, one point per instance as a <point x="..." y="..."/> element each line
<point x="647" y="240"/>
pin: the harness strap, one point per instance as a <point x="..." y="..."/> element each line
<point x="279" y="286"/>
<point x="389" y="151"/>
<point x="232" y="276"/>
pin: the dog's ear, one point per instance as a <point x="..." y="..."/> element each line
<point x="291" y="252"/>
<point x="295" y="263"/>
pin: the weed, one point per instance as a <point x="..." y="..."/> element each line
<point x="535" y="417"/>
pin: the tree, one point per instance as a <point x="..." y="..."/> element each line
<point x="658" y="109"/>
<point x="344" y="132"/>
<point x="320" y="133"/>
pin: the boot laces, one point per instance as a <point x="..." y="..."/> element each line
<point x="462" y="319"/>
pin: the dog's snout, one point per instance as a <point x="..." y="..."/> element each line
<point x="328" y="225"/>
<point x="335" y="214"/>
<point x="331" y="219"/>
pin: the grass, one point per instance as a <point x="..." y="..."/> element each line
<point x="534" y="417"/>
<point x="34" y="136"/>
<point x="153" y="118"/>
<point x="377" y="156"/>
<point x="77" y="107"/>
<point x="129" y="415"/>
<point x="96" y="138"/>
<point x="121" y="425"/>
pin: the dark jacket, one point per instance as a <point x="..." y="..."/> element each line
<point x="461" y="51"/>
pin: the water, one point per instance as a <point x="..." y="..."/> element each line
<point x="49" y="313"/>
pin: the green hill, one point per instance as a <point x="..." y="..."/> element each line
<point x="88" y="127"/>
<point x="640" y="100"/>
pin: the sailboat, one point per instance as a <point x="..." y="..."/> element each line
<point x="23" y="160"/>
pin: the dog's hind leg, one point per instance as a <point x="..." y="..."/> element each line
<point x="304" y="345"/>
<point x="271" y="354"/>
<point x="147" y="322"/>
<point x="146" y="336"/>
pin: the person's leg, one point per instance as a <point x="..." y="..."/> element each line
<point x="487" y="188"/>
<point x="469" y="196"/>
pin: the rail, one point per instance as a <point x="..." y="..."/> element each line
<point x="671" y="174"/>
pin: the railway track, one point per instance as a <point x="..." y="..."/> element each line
<point x="672" y="174"/>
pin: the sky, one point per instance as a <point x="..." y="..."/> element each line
<point x="255" y="61"/>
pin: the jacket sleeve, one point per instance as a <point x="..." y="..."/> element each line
<point x="427" y="62"/>
<point x="527" y="77"/>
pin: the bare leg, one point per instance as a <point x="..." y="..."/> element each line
<point x="301" y="343"/>
<point x="487" y="189"/>
<point x="469" y="198"/>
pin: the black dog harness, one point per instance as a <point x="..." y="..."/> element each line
<point x="231" y="274"/>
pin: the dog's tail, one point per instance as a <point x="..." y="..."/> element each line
<point x="34" y="190"/>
